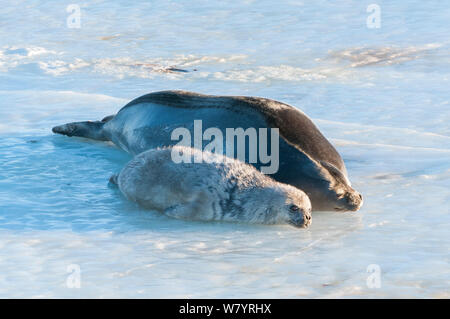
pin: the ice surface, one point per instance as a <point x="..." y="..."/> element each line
<point x="380" y="95"/>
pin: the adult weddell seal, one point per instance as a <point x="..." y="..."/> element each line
<point x="300" y="155"/>
<point x="217" y="189"/>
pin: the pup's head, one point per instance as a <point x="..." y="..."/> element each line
<point x="291" y="206"/>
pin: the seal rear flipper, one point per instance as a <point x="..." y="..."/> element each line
<point x="113" y="179"/>
<point x="88" y="129"/>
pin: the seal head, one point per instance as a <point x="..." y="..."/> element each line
<point x="341" y="196"/>
<point x="297" y="208"/>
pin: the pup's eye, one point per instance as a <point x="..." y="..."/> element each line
<point x="294" y="208"/>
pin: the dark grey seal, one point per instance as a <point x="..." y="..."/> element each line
<point x="307" y="160"/>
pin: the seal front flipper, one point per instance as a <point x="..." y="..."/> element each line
<point x="192" y="209"/>
<point x="88" y="129"/>
<point x="108" y="118"/>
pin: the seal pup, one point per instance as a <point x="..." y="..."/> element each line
<point x="306" y="159"/>
<point x="216" y="189"/>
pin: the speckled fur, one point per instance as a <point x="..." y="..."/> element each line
<point x="218" y="189"/>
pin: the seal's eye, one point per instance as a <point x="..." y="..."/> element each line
<point x="294" y="208"/>
<point x="340" y="195"/>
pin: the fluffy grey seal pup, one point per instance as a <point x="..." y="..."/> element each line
<point x="305" y="158"/>
<point x="216" y="189"/>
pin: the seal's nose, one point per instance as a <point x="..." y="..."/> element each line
<point x="354" y="201"/>
<point x="302" y="219"/>
<point x="307" y="218"/>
